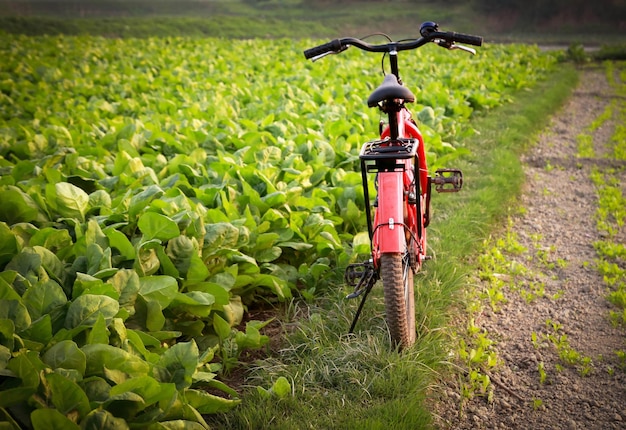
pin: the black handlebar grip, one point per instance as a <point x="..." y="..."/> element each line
<point x="466" y="38"/>
<point x="332" y="46"/>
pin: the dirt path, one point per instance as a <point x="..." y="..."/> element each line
<point x="556" y="346"/>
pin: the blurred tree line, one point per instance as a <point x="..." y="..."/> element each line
<point x="541" y="11"/>
<point x="533" y="12"/>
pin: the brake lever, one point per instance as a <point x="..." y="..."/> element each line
<point x="451" y="46"/>
<point x="319" y="57"/>
<point x="463" y="48"/>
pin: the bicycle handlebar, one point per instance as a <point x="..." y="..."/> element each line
<point x="339" y="45"/>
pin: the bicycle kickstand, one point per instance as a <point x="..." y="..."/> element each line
<point x="365" y="276"/>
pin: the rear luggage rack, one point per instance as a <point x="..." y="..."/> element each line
<point x="400" y="148"/>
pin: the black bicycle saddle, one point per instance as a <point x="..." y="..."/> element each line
<point x="390" y="89"/>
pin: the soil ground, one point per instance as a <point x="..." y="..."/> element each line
<point x="558" y="224"/>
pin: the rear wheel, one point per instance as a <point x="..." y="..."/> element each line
<point x="397" y="277"/>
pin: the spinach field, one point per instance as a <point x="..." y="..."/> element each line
<point x="153" y="189"/>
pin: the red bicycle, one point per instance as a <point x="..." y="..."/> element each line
<point x="398" y="216"/>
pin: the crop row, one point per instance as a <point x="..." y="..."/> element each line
<point x="152" y="189"/>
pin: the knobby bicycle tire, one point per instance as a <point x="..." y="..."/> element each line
<point x="398" y="286"/>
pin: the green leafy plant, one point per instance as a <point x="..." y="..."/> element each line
<point x="610" y="214"/>
<point x="139" y="219"/>
<point x="568" y="355"/>
<point x="543" y="376"/>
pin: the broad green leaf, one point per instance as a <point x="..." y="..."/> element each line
<point x="99" y="199"/>
<point x="180" y="250"/>
<point x="99" y="333"/>
<point x="227" y="278"/>
<point x="156" y="226"/>
<point x="67" y="355"/>
<point x="18" y="206"/>
<point x="221" y="326"/>
<point x="147" y="262"/>
<point x="100" y="356"/>
<point x="7" y="291"/>
<point x="66" y="395"/>
<point x="136" y="340"/>
<point x="234" y="310"/>
<point x="97" y="258"/>
<point x="219" y="385"/>
<point x="247" y="265"/>
<point x="7" y="330"/>
<point x="118" y="336"/>
<point x="282" y="387"/>
<point x="275" y="284"/>
<point x="127" y="405"/>
<point x="361" y="243"/>
<point x="85" y="309"/>
<point x="85" y="283"/>
<point x="99" y="419"/>
<point x="8" y="243"/>
<point x="147" y="339"/>
<point x="57" y="241"/>
<point x="119" y="241"/>
<point x="150" y="390"/>
<point x="207" y="403"/>
<point x="161" y="289"/>
<point x="27" y="367"/>
<point x="51" y="419"/>
<point x="155" y="320"/>
<point x="43" y="297"/>
<point x="251" y="339"/>
<point x="71" y="201"/>
<point x="126" y="283"/>
<point x="96" y="388"/>
<point x="16" y="396"/>
<point x="178" y="364"/>
<point x="15" y="311"/>
<point x="197" y="270"/>
<point x="40" y="330"/>
<point x="268" y="255"/>
<point x="275" y="200"/>
<point x="28" y="264"/>
<point x="194" y="302"/>
<point x="51" y="263"/>
<point x="94" y="236"/>
<point x="142" y="199"/>
<point x="218" y="292"/>
<point x="220" y="235"/>
<point x="297" y="246"/>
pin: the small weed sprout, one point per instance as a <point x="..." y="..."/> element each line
<point x="543" y="376"/>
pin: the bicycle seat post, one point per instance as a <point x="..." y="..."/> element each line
<point x="393" y="107"/>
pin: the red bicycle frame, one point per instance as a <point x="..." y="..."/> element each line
<point x="402" y="217"/>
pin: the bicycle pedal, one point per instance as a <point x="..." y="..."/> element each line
<point x="448" y="180"/>
<point x="354" y="273"/>
<point x="361" y="276"/>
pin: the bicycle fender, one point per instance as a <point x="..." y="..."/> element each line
<point x="389" y="233"/>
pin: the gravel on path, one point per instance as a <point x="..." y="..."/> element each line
<point x="532" y="386"/>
